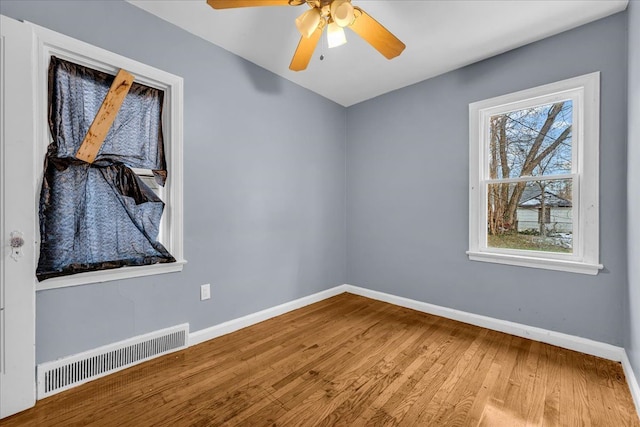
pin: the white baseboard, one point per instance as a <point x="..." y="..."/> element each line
<point x="218" y="330"/>
<point x="571" y="342"/>
<point x="632" y="380"/>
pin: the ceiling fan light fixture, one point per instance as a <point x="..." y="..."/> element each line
<point x="335" y="35"/>
<point x="342" y="12"/>
<point x="308" y="22"/>
<point x="333" y="14"/>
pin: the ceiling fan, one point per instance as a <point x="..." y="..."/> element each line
<point x="333" y="14"/>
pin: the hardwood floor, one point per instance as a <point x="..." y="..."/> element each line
<point x="352" y="361"/>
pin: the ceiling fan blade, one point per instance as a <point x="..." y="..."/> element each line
<point x="376" y="35"/>
<point x="229" y="4"/>
<point x="305" y="49"/>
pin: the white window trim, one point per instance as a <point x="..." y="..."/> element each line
<point x="585" y="257"/>
<point x="50" y="43"/>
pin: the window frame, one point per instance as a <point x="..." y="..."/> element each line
<point x="584" y="91"/>
<point x="50" y="43"/>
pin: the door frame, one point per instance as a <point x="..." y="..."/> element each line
<point x="18" y="205"/>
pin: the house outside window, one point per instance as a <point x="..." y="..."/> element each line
<point x="534" y="177"/>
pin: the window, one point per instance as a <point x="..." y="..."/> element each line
<point x="51" y="44"/>
<point x="533" y="166"/>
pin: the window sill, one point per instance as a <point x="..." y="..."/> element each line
<point x="532" y="262"/>
<point x="107" y="275"/>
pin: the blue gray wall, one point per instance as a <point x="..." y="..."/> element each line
<point x="633" y="181"/>
<point x="407" y="190"/>
<point x="265" y="209"/>
<point x="264" y="198"/>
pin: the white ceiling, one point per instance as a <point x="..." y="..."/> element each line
<point x="441" y="35"/>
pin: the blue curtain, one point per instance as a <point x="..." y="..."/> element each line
<point x="101" y="215"/>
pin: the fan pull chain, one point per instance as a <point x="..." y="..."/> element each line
<point x="322" y="42"/>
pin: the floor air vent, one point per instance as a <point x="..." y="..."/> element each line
<point x="68" y="372"/>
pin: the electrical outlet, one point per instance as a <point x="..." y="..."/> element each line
<point x="205" y="292"/>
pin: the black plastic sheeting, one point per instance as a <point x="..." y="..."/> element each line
<point x="100" y="216"/>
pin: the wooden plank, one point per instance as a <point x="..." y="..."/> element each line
<point x="104" y="118"/>
<point x="551" y="413"/>
<point x="598" y="412"/>
<point x="578" y="400"/>
<point x="537" y="385"/>
<point x="463" y="396"/>
<point x="415" y="401"/>
<point x="449" y="396"/>
<point x="481" y="399"/>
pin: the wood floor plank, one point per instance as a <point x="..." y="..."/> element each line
<point x="224" y="362"/>
<point x="551" y="411"/>
<point x="623" y="401"/>
<point x="352" y="361"/>
<point x="537" y="384"/>
<point x="462" y="397"/>
<point x="397" y="403"/>
<point x="242" y="374"/>
<point x="597" y="410"/>
<point x="333" y="386"/>
<point x="421" y="358"/>
<point x="574" y="394"/>
<point x="516" y="397"/>
<point x="442" y="409"/>
<point x="411" y="407"/>
<point x="373" y="381"/>
<point x="297" y="385"/>
<point x="482" y="397"/>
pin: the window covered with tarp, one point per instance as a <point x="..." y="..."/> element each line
<point x="102" y="215"/>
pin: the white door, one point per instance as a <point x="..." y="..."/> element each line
<point x="17" y="207"/>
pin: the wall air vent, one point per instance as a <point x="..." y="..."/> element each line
<point x="68" y="372"/>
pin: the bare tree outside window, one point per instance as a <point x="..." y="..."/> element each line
<point x="530" y="183"/>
